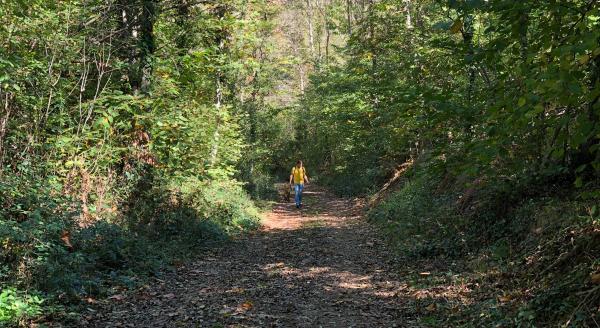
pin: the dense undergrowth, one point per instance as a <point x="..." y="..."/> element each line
<point x="498" y="105"/>
<point x="132" y="133"/>
<point x="527" y="255"/>
<point x="122" y="130"/>
<point x="53" y="255"/>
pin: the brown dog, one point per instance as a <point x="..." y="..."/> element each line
<point x="286" y="193"/>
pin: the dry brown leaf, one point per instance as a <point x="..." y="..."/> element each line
<point x="431" y="307"/>
<point x="169" y="296"/>
<point x="247" y="305"/>
<point x="425" y="273"/>
<point x="66" y="238"/>
<point x="505" y="298"/>
<point x="237" y="290"/>
<point x="117" y="297"/>
<point x="595" y="278"/>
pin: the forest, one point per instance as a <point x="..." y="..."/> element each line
<point x="453" y="148"/>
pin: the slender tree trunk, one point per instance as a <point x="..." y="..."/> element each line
<point x="183" y="12"/>
<point x="220" y="41"/>
<point x="371" y="35"/>
<point x="407" y="9"/>
<point x="254" y="97"/>
<point x="349" y="16"/>
<point x="4" y="123"/>
<point x="217" y="134"/>
<point x="309" y="22"/>
<point x="327" y="38"/>
<point x="467" y="34"/>
<point x="297" y="54"/>
<point x="524" y="42"/>
<point x="127" y="38"/>
<point x="301" y="73"/>
<point x="148" y="43"/>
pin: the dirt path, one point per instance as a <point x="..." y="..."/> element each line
<point x="321" y="267"/>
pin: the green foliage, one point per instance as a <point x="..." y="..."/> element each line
<point x="44" y="249"/>
<point x="132" y="132"/>
<point x="223" y="202"/>
<point x="497" y="89"/>
<point x="420" y="223"/>
<point x="121" y="134"/>
<point x="495" y="105"/>
<point x="507" y="243"/>
<point x="15" y="306"/>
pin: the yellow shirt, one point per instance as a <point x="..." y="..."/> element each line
<point x="298" y="174"/>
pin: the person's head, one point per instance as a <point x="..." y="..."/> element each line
<point x="299" y="163"/>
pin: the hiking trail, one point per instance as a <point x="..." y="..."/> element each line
<point x="323" y="266"/>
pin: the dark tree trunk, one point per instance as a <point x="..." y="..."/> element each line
<point x="147" y="43"/>
<point x="182" y="19"/>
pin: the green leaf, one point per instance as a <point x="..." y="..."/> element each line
<point x="583" y="59"/>
<point x="456" y="27"/>
<point x="443" y="25"/>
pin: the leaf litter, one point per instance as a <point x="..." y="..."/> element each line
<point x="336" y="273"/>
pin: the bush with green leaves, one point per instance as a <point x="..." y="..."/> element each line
<point x="505" y="238"/>
<point x="17" y="306"/>
<point x="224" y="202"/>
<point x="45" y="248"/>
<point x="419" y="221"/>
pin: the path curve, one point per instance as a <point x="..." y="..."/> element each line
<point x="323" y="266"/>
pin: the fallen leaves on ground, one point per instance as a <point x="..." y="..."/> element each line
<point x="289" y="274"/>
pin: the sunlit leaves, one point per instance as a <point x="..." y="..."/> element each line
<point x="527" y="104"/>
<point x="456" y="26"/>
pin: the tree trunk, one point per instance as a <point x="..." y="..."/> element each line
<point x="147" y="43"/>
<point x="407" y="8"/>
<point x="309" y="22"/>
<point x="524" y="24"/>
<point x="127" y="39"/>
<point x="327" y="38"/>
<point x="217" y="134"/>
<point x="3" y="124"/>
<point x="301" y="73"/>
<point x="467" y="33"/>
<point x="183" y="12"/>
<point x="349" y="16"/>
<point x="220" y="39"/>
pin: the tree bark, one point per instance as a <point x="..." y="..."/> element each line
<point x="183" y="12"/>
<point x="467" y="34"/>
<point x="3" y="124"/>
<point x="407" y="8"/>
<point x="217" y="134"/>
<point x="309" y="22"/>
<point x="349" y="16"/>
<point x="148" y="43"/>
<point x="220" y="39"/>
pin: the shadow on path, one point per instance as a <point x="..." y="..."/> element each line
<point x="319" y="267"/>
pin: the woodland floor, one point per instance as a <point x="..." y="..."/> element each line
<point x="323" y="266"/>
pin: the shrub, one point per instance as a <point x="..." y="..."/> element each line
<point x="537" y="246"/>
<point x="46" y="245"/>
<point x="18" y="306"/>
<point x="419" y="222"/>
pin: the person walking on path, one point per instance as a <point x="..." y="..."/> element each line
<point x="298" y="176"/>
